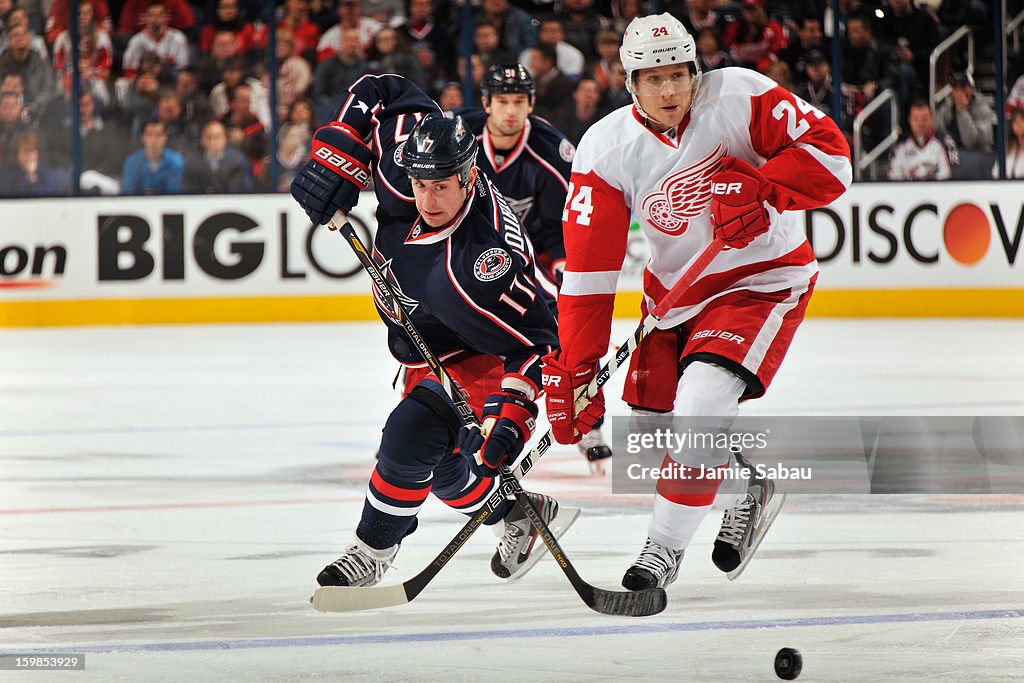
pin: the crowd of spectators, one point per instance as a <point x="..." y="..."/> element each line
<point x="175" y="95"/>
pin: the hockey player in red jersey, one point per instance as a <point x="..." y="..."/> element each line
<point x="725" y="155"/>
<point x="529" y="161"/>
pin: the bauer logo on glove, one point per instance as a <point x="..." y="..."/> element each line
<point x="738" y="195"/>
<point x="569" y="421"/>
<point x="343" y="164"/>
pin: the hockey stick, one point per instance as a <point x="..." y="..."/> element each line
<point x="622" y="354"/>
<point x="626" y="603"/>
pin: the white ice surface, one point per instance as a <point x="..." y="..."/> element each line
<point x="168" y="494"/>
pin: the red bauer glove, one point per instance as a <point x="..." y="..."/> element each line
<point x="737" y="203"/>
<point x="568" y="425"/>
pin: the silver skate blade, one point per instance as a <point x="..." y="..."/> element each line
<point x="770" y="513"/>
<point x="352" y="599"/>
<point x="559" y="525"/>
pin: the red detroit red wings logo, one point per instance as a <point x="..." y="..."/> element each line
<point x="682" y="195"/>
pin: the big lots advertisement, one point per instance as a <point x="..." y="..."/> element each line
<point x="172" y="247"/>
<point x="910" y="239"/>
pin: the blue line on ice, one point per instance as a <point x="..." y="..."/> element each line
<point x="581" y="631"/>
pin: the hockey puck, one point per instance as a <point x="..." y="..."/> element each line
<point x="788" y="663"/>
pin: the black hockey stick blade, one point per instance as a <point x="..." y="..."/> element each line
<point x="643" y="603"/>
<point x="616" y="603"/>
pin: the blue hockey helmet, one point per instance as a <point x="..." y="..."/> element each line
<point x="508" y="78"/>
<point x="439" y="147"/>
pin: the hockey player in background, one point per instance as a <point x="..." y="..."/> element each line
<point x="529" y="161"/>
<point x="455" y="255"/>
<point x="725" y="155"/>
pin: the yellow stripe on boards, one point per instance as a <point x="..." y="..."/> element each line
<point x="917" y="303"/>
<point x="895" y="303"/>
<point x="199" y="310"/>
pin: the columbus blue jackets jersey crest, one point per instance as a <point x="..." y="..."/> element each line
<point x="470" y="285"/>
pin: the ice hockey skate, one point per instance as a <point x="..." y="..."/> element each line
<point x="744" y="526"/>
<point x="516" y="552"/>
<point x="656" y="567"/>
<point x="361" y="565"/>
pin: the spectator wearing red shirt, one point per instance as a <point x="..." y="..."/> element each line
<point x="755" y="40"/>
<point x="227" y="17"/>
<point x="95" y="47"/>
<point x="133" y="15"/>
<point x="57" y="17"/>
<point x="296" y="19"/>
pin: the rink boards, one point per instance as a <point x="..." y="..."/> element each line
<point x="906" y="250"/>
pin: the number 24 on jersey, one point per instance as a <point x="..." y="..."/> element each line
<point x="581" y="201"/>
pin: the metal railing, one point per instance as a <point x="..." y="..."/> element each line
<point x="1014" y="29"/>
<point x="937" y="94"/>
<point x="861" y="160"/>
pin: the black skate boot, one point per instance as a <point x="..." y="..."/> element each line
<point x="657" y="567"/>
<point x="744" y="526"/>
<point x="361" y="565"/>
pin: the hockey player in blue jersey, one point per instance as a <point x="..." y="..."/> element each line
<point x="525" y="157"/>
<point x="529" y="160"/>
<point x="455" y="254"/>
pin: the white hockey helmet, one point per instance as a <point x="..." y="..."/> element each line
<point x="657" y="40"/>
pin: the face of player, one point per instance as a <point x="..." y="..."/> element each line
<point x="438" y="201"/>
<point x="665" y="94"/>
<point x="507" y="112"/>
